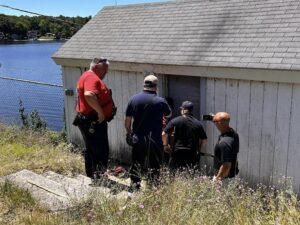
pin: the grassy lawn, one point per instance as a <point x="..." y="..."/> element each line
<point x="182" y="200"/>
<point x="36" y="151"/>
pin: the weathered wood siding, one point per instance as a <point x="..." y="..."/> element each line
<point x="70" y="78"/>
<point x="266" y="116"/>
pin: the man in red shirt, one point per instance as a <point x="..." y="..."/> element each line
<point x="94" y="108"/>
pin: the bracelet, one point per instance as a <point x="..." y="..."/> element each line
<point x="165" y="145"/>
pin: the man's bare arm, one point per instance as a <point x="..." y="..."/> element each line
<point x="167" y="147"/>
<point x="127" y="124"/>
<point x="224" y="171"/>
<point x="92" y="100"/>
<point x="202" y="145"/>
<point x="164" y="137"/>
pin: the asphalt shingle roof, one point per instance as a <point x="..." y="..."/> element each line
<point x="226" y="33"/>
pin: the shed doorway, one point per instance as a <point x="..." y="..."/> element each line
<point x="183" y="88"/>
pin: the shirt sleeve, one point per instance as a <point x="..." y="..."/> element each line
<point x="129" y="109"/>
<point x="202" y="133"/>
<point x="166" y="108"/>
<point x="170" y="127"/>
<point x="226" y="151"/>
<point x="92" y="84"/>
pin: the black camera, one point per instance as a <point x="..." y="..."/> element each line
<point x="208" y="117"/>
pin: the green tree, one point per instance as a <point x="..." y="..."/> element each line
<point x="5" y="26"/>
<point x="20" y="25"/>
<point x="20" y="30"/>
<point x="44" y="26"/>
<point x="34" y="23"/>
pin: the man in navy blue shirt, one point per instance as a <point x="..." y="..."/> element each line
<point x="143" y="121"/>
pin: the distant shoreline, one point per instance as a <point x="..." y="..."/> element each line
<point x="33" y="40"/>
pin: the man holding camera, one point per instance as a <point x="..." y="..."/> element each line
<point x="94" y="108"/>
<point x="143" y="124"/>
<point x="226" y="149"/>
<point x="189" y="138"/>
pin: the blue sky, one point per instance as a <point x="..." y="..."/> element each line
<point x="63" y="7"/>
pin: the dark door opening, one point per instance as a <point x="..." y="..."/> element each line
<point x="183" y="88"/>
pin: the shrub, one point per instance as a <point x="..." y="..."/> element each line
<point x="33" y="121"/>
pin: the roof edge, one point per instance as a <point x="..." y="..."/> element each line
<point x="254" y="74"/>
<point x="138" y="4"/>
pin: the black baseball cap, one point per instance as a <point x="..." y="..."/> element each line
<point x="187" y="105"/>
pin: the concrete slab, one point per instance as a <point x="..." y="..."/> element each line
<point x="125" y="182"/>
<point x="50" y="194"/>
<point x="83" y="179"/>
<point x="76" y="189"/>
<point x="58" y="192"/>
<point x="118" y="186"/>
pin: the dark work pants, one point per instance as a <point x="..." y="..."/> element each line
<point x="146" y="159"/>
<point x="96" y="148"/>
<point x="184" y="160"/>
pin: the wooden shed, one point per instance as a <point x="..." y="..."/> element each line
<point x="239" y="56"/>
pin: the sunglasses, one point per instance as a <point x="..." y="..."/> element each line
<point x="101" y="60"/>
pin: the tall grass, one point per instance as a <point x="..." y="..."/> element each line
<point x="188" y="200"/>
<point x="183" y="199"/>
<point x="39" y="152"/>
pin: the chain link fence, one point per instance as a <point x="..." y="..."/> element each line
<point x="47" y="99"/>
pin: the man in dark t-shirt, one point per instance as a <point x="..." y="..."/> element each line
<point x="226" y="149"/>
<point x="189" y="137"/>
<point x="144" y="115"/>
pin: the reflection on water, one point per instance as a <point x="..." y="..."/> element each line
<point x="31" y="61"/>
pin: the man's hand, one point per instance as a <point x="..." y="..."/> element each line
<point x="167" y="149"/>
<point x="101" y="117"/>
<point x="223" y="171"/>
<point x="129" y="139"/>
<point x="217" y="181"/>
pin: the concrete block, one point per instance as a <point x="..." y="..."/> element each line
<point x="50" y="194"/>
<point x="58" y="192"/>
<point x="74" y="188"/>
